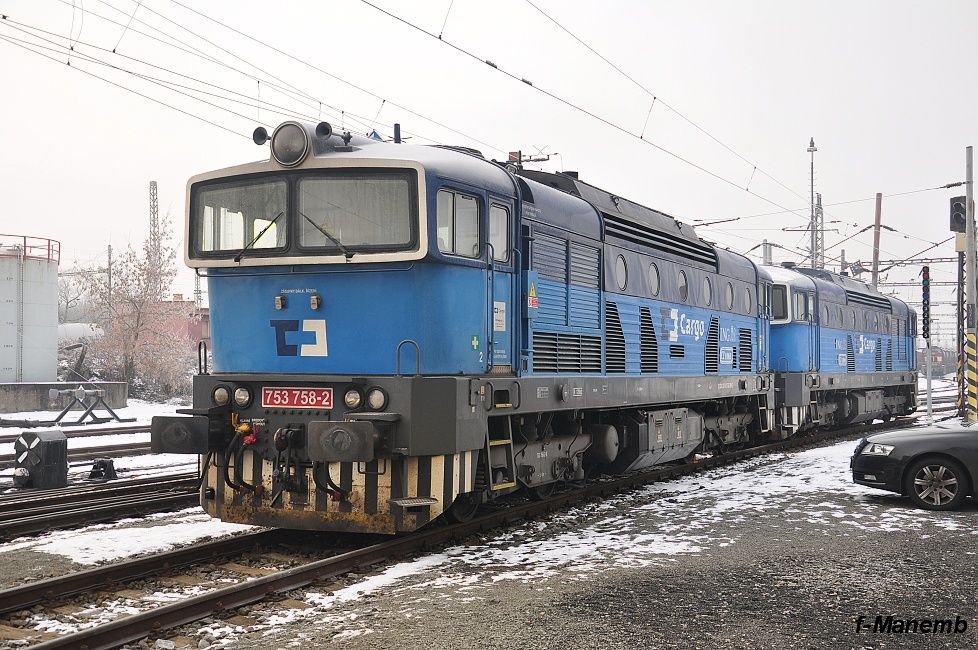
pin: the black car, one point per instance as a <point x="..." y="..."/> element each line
<point x="936" y="466"/>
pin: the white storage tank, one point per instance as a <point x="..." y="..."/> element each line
<point x="28" y="308"/>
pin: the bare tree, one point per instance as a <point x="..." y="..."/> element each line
<point x="71" y="291"/>
<point x="140" y="341"/>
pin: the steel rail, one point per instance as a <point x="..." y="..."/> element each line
<point x="86" y="500"/>
<point x="90" y="453"/>
<point x="137" y="626"/>
<point x="84" y="433"/>
<point x="84" y="515"/>
<point x="45" y="591"/>
<point x="72" y="491"/>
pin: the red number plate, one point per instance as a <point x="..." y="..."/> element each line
<point x="297" y="398"/>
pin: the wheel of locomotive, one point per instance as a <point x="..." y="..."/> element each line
<point x="463" y="509"/>
<point x="936" y="484"/>
<point x="541" y="492"/>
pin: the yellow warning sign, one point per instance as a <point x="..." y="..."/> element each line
<point x="531" y="300"/>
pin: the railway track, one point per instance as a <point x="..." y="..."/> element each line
<point x="256" y="588"/>
<point x="90" y="453"/>
<point x="85" y="433"/>
<point x="24" y="513"/>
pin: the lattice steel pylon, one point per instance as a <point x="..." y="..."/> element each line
<point x="819" y="233"/>
<point x="154" y="248"/>
<point x="812" y="223"/>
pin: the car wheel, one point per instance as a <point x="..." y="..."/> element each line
<point x="937" y="484"/>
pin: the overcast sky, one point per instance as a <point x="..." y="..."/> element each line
<point x="881" y="86"/>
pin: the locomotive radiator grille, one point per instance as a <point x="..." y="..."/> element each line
<point x="850" y="355"/>
<point x="712" y="363"/>
<point x="746" y="349"/>
<point x="650" y="345"/>
<point x="614" y="345"/>
<point x="677" y="351"/>
<point x="879" y="355"/>
<point x="573" y="353"/>
<point x="889" y="355"/>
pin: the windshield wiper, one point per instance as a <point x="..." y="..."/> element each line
<point x="346" y="251"/>
<point x="237" y="258"/>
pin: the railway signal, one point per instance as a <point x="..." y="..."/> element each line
<point x="925" y="305"/>
<point x="959" y="214"/>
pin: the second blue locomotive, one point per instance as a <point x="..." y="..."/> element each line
<point x="402" y="332"/>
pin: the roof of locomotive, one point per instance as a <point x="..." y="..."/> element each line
<point x="729" y="264"/>
<point x="841" y="288"/>
<point x="558" y="199"/>
<point x="607" y="202"/>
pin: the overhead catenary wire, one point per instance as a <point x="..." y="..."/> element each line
<point x="362" y="120"/>
<point x="287" y="89"/>
<point x="126" y="88"/>
<point x="837" y="203"/>
<point x="578" y="108"/>
<point x="169" y="84"/>
<point x="346" y="82"/>
<point x="655" y="97"/>
<point x="244" y="100"/>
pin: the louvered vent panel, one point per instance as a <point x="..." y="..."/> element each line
<point x="677" y="352"/>
<point x="614" y="342"/>
<point x="712" y="363"/>
<point x="622" y="228"/>
<point x="544" y="352"/>
<point x="879" y="355"/>
<point x="584" y="269"/>
<point x="877" y="302"/>
<point x="889" y="356"/>
<point x="566" y="353"/>
<point x="746" y="349"/>
<point x="901" y="346"/>
<point x="850" y="355"/>
<point x="650" y="344"/>
<point x="550" y="257"/>
<point x="590" y="353"/>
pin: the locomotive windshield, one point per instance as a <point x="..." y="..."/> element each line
<point x="355" y="211"/>
<point x="306" y="213"/>
<point x="229" y="216"/>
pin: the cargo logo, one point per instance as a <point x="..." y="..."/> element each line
<point x="317" y="328"/>
<point x="675" y="323"/>
<point x="866" y="345"/>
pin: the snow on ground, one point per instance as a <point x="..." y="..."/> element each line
<point x="119" y="539"/>
<point x="943" y="385"/>
<point x="126" y="466"/>
<point x="139" y="409"/>
<point x="93" y="441"/>
<point x="658" y="524"/>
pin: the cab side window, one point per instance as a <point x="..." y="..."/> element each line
<point x="499" y="232"/>
<point x="458" y="224"/>
<point x="801" y="306"/>
<point x="779" y="302"/>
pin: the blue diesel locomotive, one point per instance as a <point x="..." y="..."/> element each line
<point x="402" y="332"/>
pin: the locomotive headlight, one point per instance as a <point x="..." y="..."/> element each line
<point x="290" y="144"/>
<point x="376" y="399"/>
<point x="352" y="398"/>
<point x="221" y="395"/>
<point x="242" y="396"/>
